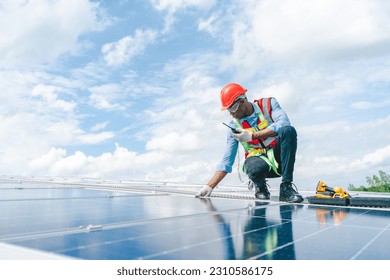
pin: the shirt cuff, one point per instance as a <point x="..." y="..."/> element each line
<point x="225" y="168"/>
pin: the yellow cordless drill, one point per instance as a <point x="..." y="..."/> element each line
<point x="324" y="191"/>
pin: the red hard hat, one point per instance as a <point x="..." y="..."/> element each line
<point x="229" y="93"/>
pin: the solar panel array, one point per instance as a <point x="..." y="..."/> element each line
<point x="153" y="222"/>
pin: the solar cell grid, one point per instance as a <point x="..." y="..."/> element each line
<point x="86" y="223"/>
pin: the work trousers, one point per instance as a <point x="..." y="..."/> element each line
<point x="284" y="151"/>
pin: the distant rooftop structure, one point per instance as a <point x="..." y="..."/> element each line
<point x="95" y="219"/>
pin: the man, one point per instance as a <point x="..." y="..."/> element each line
<point x="270" y="144"/>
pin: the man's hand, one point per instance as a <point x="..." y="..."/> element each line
<point x="204" y="192"/>
<point x="243" y="135"/>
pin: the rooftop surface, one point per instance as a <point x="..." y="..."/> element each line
<point x="60" y="218"/>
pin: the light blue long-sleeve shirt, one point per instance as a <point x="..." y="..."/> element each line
<point x="280" y="120"/>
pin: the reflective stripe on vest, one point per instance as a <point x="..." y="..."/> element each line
<point x="266" y="104"/>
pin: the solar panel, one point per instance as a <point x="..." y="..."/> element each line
<point x="149" y="221"/>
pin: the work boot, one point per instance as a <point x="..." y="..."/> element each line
<point x="261" y="191"/>
<point x="288" y="194"/>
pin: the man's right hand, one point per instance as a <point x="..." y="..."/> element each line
<point x="243" y="135"/>
<point x="204" y="191"/>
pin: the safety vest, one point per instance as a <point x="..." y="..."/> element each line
<point x="260" y="147"/>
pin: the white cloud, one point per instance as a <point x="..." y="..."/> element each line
<point x="99" y="126"/>
<point x="174" y="148"/>
<point x="173" y="6"/>
<point x="46" y="160"/>
<point x="208" y="25"/>
<point x="366" y="105"/>
<point x="282" y="92"/>
<point x="34" y="118"/>
<point x="311" y="32"/>
<point x="319" y="28"/>
<point x="50" y="98"/>
<point x="174" y="142"/>
<point x="107" y="165"/>
<point x="375" y="158"/>
<point x="342" y="152"/>
<point x="329" y="159"/>
<point x="36" y="32"/>
<point x="86" y="138"/>
<point x="108" y="97"/>
<point x="126" y="48"/>
<point x="121" y="164"/>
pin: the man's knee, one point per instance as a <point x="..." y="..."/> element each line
<point x="255" y="167"/>
<point x="288" y="131"/>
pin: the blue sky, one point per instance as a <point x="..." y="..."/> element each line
<point x="130" y="89"/>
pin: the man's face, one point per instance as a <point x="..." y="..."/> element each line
<point x="236" y="110"/>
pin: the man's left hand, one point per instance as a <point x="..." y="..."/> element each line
<point x="204" y="192"/>
<point x="243" y="135"/>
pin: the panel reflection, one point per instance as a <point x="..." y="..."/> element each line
<point x="262" y="236"/>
